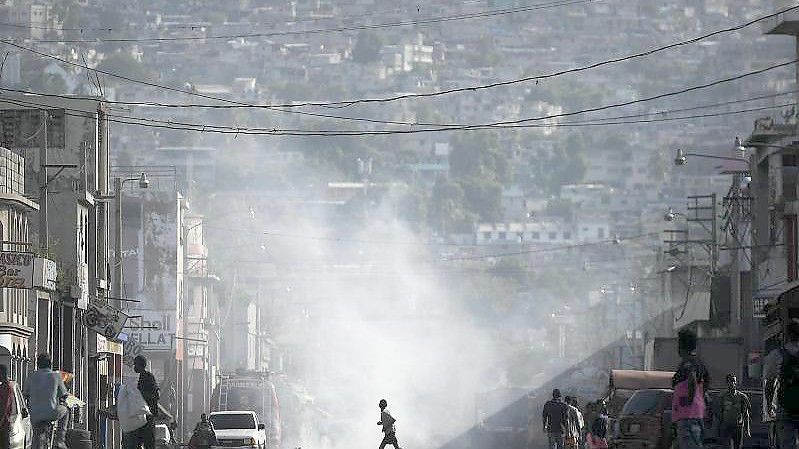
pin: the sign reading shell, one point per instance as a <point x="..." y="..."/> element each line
<point x="16" y="269"/>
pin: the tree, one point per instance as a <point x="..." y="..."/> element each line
<point x="483" y="197"/>
<point x="367" y="47"/>
<point x="478" y="156"/>
<point x="124" y="63"/>
<point x="50" y="83"/>
<point x="446" y="211"/>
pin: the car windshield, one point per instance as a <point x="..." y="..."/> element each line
<point x="231" y="421"/>
<point x="643" y="402"/>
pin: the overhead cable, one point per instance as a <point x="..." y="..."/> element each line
<point x="345" y="103"/>
<point x="402" y="23"/>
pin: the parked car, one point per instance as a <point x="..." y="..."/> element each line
<point x="238" y="429"/>
<point x="623" y="384"/>
<point x="759" y="429"/>
<point x="21" y="433"/>
<point x="645" y="421"/>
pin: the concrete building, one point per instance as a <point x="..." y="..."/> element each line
<point x="70" y="158"/>
<point x="202" y="341"/>
<point x="153" y="275"/>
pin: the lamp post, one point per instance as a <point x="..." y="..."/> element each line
<point x="119" y="183"/>
<point x="682" y="157"/>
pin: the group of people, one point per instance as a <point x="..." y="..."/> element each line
<point x="566" y="428"/>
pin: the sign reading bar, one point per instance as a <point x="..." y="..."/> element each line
<point x="16" y="269"/>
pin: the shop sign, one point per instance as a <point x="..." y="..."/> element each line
<point x="154" y="330"/>
<point x="16" y="269"/>
<point x="104" y="319"/>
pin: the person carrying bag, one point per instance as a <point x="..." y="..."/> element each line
<point x="133" y="412"/>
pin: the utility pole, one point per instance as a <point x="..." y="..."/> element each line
<point x="43" y="223"/>
<point x="117" y="293"/>
<point x="184" y="322"/>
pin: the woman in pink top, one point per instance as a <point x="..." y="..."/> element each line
<point x="688" y="400"/>
<point x="596" y="438"/>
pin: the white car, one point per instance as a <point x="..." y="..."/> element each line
<point x="21" y="434"/>
<point x="238" y="429"/>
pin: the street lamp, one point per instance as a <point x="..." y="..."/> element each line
<point x="682" y="156"/>
<point x="119" y="183"/>
<point x="670" y="215"/>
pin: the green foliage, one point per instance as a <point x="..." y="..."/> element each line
<point x="446" y="211"/>
<point x="485" y="54"/>
<point x="478" y="156"/>
<point x="48" y="83"/>
<point x="478" y="169"/>
<point x="565" y="166"/>
<point x="558" y="207"/>
<point x="568" y="93"/>
<point x="483" y="197"/>
<point x="125" y="63"/>
<point x="367" y="47"/>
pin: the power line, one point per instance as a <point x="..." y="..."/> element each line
<point x="252" y="132"/>
<point x="212" y="25"/>
<point x="614" y="241"/>
<point x="561" y="124"/>
<point x="403" y="23"/>
<point x="346" y="103"/>
<point x="495" y="125"/>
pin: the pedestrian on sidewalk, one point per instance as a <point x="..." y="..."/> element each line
<point x="148" y="387"/>
<point x="688" y="401"/>
<point x="781" y="371"/>
<point x="556" y="420"/>
<point x="133" y="414"/>
<point x="576" y="424"/>
<point x="733" y="415"/>
<point x="596" y="438"/>
<point x="389" y="430"/>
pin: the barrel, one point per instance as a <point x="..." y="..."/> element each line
<point x="79" y="439"/>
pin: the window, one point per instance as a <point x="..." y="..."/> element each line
<point x="502" y="235"/>
<point x="233" y="421"/>
<point x="536" y="236"/>
<point x="486" y="236"/>
<point x="600" y="233"/>
<point x="567" y="236"/>
<point x="553" y="235"/>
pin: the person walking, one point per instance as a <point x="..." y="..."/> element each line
<point x="133" y="413"/>
<point x="781" y="371"/>
<point x="597" y="437"/>
<point x="148" y="387"/>
<point x="575" y="424"/>
<point x="688" y="399"/>
<point x="389" y="430"/>
<point x="204" y="436"/>
<point x="45" y="392"/>
<point x="6" y="407"/>
<point x="733" y="415"/>
<point x="556" y="420"/>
